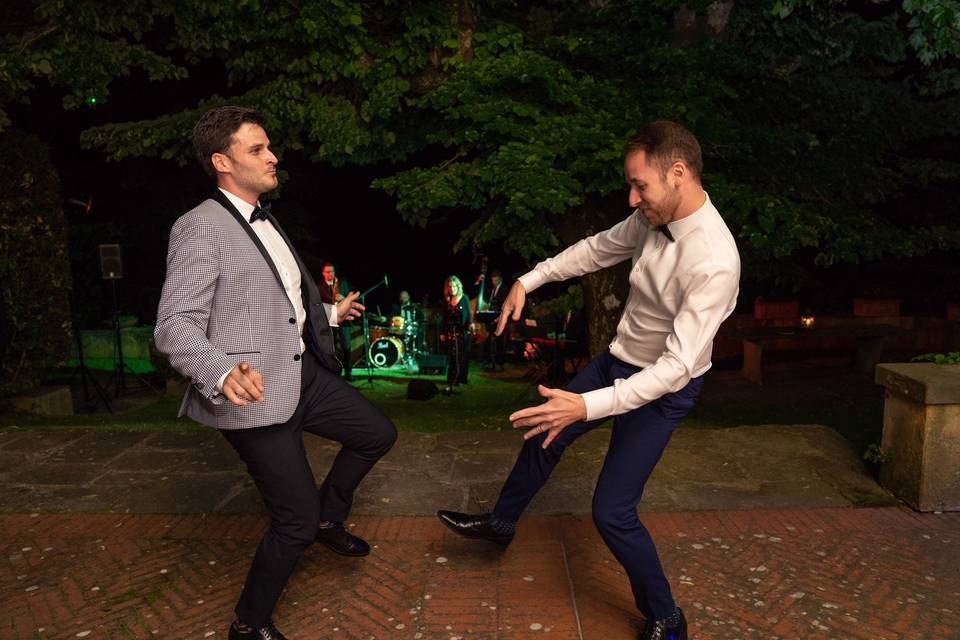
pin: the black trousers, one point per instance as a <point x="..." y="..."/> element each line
<point x="495" y="347"/>
<point x="341" y="340"/>
<point x="458" y="358"/>
<point x="277" y="461"/>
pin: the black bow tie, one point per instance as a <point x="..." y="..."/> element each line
<point x="260" y="213"/>
<point x="665" y="230"/>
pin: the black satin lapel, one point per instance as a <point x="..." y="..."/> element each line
<point x="312" y="301"/>
<point x="225" y="202"/>
<point x="309" y="285"/>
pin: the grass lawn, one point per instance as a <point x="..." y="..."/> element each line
<point x="482" y="405"/>
<point x="799" y="392"/>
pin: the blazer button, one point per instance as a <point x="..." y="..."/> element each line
<point x="293" y="321"/>
<point x="296" y="357"/>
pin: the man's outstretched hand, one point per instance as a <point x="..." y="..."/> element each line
<point x="512" y="306"/>
<point x="561" y="409"/>
<point x="349" y="308"/>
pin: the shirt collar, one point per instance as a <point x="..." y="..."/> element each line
<point x="680" y="228"/>
<point x="244" y="207"/>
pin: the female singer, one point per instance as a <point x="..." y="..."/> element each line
<point x="455" y="331"/>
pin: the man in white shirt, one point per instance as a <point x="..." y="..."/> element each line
<point x="684" y="282"/>
<point x="241" y="316"/>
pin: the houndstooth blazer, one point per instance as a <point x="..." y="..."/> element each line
<point x="222" y="303"/>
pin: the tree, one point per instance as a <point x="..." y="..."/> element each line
<point x="820" y="121"/>
<point x="34" y="275"/>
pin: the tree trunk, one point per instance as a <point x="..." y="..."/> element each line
<point x="466" y="24"/>
<point x="689" y="27"/>
<point x="604" y="292"/>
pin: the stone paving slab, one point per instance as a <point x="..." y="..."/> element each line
<point x="765" y="467"/>
<point x="791" y="574"/>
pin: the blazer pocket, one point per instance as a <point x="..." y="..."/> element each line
<point x="226" y="410"/>
<point x="252" y="357"/>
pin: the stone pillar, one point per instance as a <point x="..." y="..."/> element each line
<point x="921" y="434"/>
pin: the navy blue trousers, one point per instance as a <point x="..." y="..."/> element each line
<point x="636" y="444"/>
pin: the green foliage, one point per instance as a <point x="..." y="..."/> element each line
<point x="34" y="272"/>
<point x="561" y="305"/>
<point x="952" y="357"/>
<point x="875" y="454"/>
<point x="502" y="118"/>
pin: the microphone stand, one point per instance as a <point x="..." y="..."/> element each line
<point x="366" y="328"/>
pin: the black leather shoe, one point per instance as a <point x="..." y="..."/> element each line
<point x="656" y="630"/>
<point x="268" y="632"/>
<point x="342" y="541"/>
<point x="474" y="526"/>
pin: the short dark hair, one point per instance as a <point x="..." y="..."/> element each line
<point x="665" y="143"/>
<point x="213" y="133"/>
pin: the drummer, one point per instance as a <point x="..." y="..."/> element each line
<point x="402" y="305"/>
<point x="407" y="320"/>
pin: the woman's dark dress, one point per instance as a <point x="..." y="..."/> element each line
<point x="456" y="327"/>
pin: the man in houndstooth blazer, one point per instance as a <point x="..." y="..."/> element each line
<point x="241" y="316"/>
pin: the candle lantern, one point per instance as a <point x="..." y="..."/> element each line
<point x="808" y="320"/>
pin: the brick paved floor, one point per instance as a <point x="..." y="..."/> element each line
<point x="818" y="573"/>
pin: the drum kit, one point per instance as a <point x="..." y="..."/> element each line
<point x="396" y="341"/>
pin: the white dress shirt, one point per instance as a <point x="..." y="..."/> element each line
<point x="680" y="292"/>
<point x="285" y="263"/>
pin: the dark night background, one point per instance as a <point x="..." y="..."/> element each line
<point x="330" y="213"/>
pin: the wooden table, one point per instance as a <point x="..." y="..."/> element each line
<point x="869" y="343"/>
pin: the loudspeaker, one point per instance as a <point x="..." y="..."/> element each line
<point x="111" y="262"/>
<point x="432" y="363"/>
<point x="421" y="390"/>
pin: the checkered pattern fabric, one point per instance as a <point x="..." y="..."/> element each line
<point x="222" y="304"/>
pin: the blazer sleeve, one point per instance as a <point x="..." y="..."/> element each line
<point x="193" y="267"/>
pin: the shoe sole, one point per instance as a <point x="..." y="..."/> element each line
<point x="341" y="552"/>
<point x="503" y="544"/>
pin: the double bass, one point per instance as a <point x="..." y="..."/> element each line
<point x="480" y="332"/>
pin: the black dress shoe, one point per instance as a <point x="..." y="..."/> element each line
<point x="342" y="541"/>
<point x="268" y="632"/>
<point x="657" y="631"/>
<point x="474" y="526"/>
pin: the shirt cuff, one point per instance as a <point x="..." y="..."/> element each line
<point x="599" y="402"/>
<point x="332" y="316"/>
<point x="531" y="280"/>
<point x="222" y="379"/>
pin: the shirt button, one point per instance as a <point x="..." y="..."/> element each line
<point x="296" y="357"/>
<point x="293" y="321"/>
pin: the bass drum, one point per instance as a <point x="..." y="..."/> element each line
<point x="386" y="352"/>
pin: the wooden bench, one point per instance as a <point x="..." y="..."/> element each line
<point x="869" y="343"/>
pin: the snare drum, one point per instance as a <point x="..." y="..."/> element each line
<point x="386" y="352"/>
